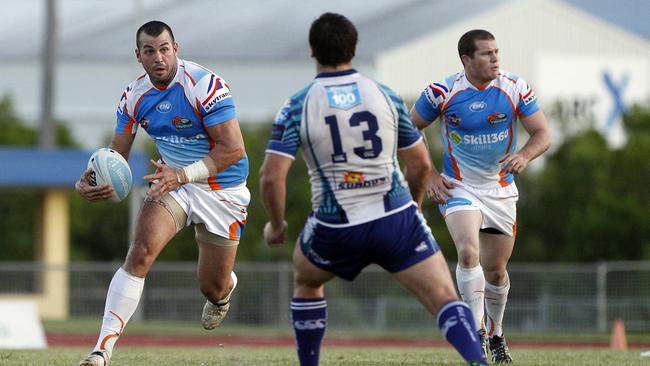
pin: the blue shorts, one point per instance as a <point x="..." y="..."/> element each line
<point x="394" y="242"/>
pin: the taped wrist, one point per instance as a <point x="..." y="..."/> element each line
<point x="196" y="171"/>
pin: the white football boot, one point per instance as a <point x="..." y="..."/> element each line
<point x="97" y="358"/>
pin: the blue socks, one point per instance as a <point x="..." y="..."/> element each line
<point x="309" y="319"/>
<point x="457" y="325"/>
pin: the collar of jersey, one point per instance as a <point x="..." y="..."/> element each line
<point x="336" y="73"/>
<point x="176" y="77"/>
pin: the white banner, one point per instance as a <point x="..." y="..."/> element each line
<point x="20" y="326"/>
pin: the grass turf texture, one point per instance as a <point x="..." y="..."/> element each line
<point x="285" y="356"/>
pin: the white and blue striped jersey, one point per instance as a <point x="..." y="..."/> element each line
<point x="478" y="125"/>
<point x="176" y="118"/>
<point x="348" y="128"/>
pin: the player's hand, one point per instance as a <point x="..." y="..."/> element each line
<point x="438" y="190"/>
<point x="92" y="193"/>
<point x="165" y="179"/>
<point x="515" y="163"/>
<point x="274" y="236"/>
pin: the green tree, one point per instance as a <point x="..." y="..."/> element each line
<point x="18" y="227"/>
<point x="589" y="203"/>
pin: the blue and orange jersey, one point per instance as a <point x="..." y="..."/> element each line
<point x="478" y="125"/>
<point x="176" y="117"/>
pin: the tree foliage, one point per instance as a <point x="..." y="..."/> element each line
<point x="590" y="202"/>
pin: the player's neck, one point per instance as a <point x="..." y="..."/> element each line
<point x="340" y="67"/>
<point x="477" y="82"/>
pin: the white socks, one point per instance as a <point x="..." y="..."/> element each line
<point x="495" y="305"/>
<point x="121" y="301"/>
<point x="471" y="285"/>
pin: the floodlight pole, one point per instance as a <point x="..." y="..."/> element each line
<point x="47" y="135"/>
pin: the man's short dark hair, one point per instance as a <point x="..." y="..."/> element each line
<point x="333" y="39"/>
<point x="467" y="42"/>
<point x="153" y="28"/>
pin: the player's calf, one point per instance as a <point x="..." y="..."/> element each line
<point x="214" y="314"/>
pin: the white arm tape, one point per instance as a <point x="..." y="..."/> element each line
<point x="196" y="171"/>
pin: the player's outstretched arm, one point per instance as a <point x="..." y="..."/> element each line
<point x="273" y="189"/>
<point x="537" y="127"/>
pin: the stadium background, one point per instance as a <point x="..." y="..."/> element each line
<point x="582" y="258"/>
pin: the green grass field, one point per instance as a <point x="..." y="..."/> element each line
<point x="284" y="356"/>
<point x="331" y="356"/>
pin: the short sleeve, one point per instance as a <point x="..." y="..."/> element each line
<point x="285" y="132"/>
<point x="216" y="100"/>
<point x="407" y="133"/>
<point x="125" y="120"/>
<point x="430" y="101"/>
<point x="527" y="99"/>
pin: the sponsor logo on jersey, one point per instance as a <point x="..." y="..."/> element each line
<point x="497" y="117"/>
<point x="482" y="139"/>
<point x="343" y="96"/>
<point x="144" y="123"/>
<point x="164" y="106"/>
<point x="486" y="138"/>
<point x="353" y="177"/>
<point x="182" y="139"/>
<point x="454" y="120"/>
<point x="529" y="97"/>
<point x="216" y="100"/>
<point x="181" y="123"/>
<point x="455" y="137"/>
<point x="477" y="106"/>
<point x="431" y="98"/>
<point x="353" y="180"/>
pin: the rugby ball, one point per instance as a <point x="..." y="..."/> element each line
<point x="109" y="167"/>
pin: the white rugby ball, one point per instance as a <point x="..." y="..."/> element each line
<point x="109" y="167"/>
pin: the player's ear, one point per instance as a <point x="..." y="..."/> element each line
<point x="137" y="54"/>
<point x="465" y="59"/>
<point x="175" y="47"/>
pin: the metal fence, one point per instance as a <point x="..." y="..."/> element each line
<point x="543" y="297"/>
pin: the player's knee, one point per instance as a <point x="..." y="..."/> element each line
<point x="496" y="275"/>
<point x="304" y="286"/>
<point x="468" y="257"/>
<point x="139" y="260"/>
<point x="216" y="290"/>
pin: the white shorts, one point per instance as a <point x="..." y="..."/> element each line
<point x="223" y="212"/>
<point x="498" y="206"/>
